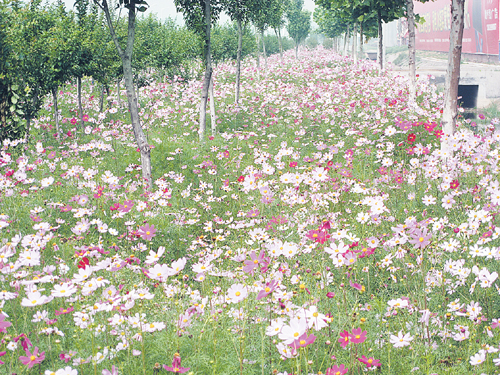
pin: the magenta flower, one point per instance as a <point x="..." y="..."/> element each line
<point x="63" y="311"/>
<point x="357" y="336"/>
<point x="25" y="341"/>
<point x="270" y="286"/>
<point x="176" y="365"/>
<point x="369" y="362"/>
<point x="302" y="341"/>
<point x="337" y="370"/>
<point x="344" y="339"/>
<point x="147" y="232"/>
<point x="32" y="359"/>
<point x="3" y="324"/>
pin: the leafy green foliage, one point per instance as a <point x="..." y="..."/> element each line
<point x="299" y="21"/>
<point x="225" y="42"/>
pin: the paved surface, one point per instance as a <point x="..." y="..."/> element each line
<point x="486" y="76"/>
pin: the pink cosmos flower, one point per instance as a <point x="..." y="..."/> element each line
<point x="32" y="359"/>
<point x="261" y="259"/>
<point x="114" y="371"/>
<point x="147" y="232"/>
<point x="337" y="370"/>
<point x="1" y="355"/>
<point x="270" y="286"/>
<point x="176" y="365"/>
<point x="344" y="339"/>
<point x="302" y="341"/>
<point x="369" y="362"/>
<point x="3" y="324"/>
<point x="357" y="336"/>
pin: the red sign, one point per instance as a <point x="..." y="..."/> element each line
<point x="480" y="26"/>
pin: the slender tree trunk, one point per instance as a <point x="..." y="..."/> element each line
<point x="101" y="100"/>
<point x="213" y="117"/>
<point x="258" y="48"/>
<point x="380" y="43"/>
<point x="448" y="121"/>
<point x="411" y="52"/>
<point x="346" y="38"/>
<point x="126" y="57"/>
<point x="361" y="52"/>
<point x="28" y="125"/>
<point x="208" y="73"/>
<point x="108" y="93"/>
<point x="354" y="43"/>
<point x="79" y="92"/>
<point x="278" y="34"/>
<point x="264" y="48"/>
<point x="56" y="110"/>
<point x="118" y="92"/>
<point x="238" y="61"/>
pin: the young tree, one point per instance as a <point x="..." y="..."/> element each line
<point x="239" y="12"/>
<point x="452" y="77"/>
<point x="299" y="23"/>
<point x="198" y="16"/>
<point x="133" y="7"/>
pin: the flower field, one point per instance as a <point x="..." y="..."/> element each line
<point x="321" y="230"/>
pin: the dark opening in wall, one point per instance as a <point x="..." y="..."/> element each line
<point x="468" y="94"/>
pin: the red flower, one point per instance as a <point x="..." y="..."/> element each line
<point x="411" y="138"/>
<point x="83" y="263"/>
<point x="293" y="164"/>
<point x="241" y="178"/>
<point x="454" y="184"/>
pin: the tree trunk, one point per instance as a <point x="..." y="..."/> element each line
<point x="258" y="49"/>
<point x="278" y="34"/>
<point x="346" y="38"/>
<point x="28" y="125"/>
<point x="101" y="100"/>
<point x="452" y="78"/>
<point x="296" y="50"/>
<point x="264" y="48"/>
<point x="79" y="92"/>
<point x="108" y="93"/>
<point x="354" y="43"/>
<point x="411" y="52"/>
<point x="208" y="73"/>
<point x="238" y="61"/>
<point x="213" y="118"/>
<point x="126" y="57"/>
<point x="361" y="52"/>
<point x="118" y="92"/>
<point x="56" y="110"/>
<point x="380" y="43"/>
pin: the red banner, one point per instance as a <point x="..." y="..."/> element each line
<point x="480" y="26"/>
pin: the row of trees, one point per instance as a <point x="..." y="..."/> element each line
<point x="44" y="47"/>
<point x="336" y="17"/>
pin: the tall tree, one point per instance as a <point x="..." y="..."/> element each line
<point x="299" y="23"/>
<point x="198" y="15"/>
<point x="452" y="77"/>
<point x="133" y="7"/>
<point x="239" y="12"/>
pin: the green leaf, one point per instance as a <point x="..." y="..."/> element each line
<point x="13" y="100"/>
